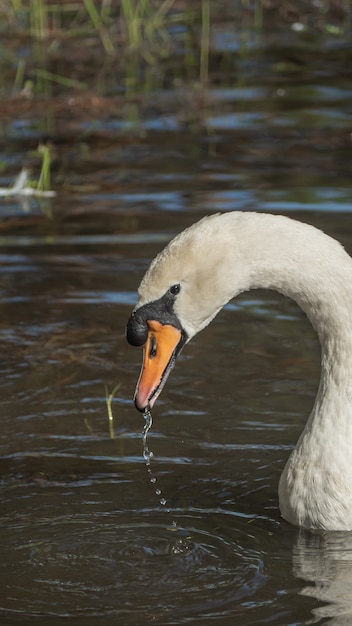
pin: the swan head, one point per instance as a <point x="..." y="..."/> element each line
<point x="182" y="291"/>
<point x="164" y="319"/>
<point x="156" y="327"/>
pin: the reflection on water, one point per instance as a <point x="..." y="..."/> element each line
<point x="325" y="562"/>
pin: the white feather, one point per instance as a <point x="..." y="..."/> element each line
<point x="223" y="255"/>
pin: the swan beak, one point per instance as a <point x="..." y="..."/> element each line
<point x="163" y="344"/>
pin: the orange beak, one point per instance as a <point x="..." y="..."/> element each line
<point x="159" y="354"/>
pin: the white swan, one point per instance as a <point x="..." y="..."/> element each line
<point x="218" y="258"/>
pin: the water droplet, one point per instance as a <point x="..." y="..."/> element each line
<point x="148" y="455"/>
<point x="147" y="426"/>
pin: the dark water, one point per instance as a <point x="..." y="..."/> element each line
<point x="84" y="538"/>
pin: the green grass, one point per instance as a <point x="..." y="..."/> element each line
<point x="98" y="20"/>
<point x="108" y="399"/>
<point x="136" y="46"/>
<point x="204" y="39"/>
<point x="149" y="31"/>
<point x="43" y="183"/>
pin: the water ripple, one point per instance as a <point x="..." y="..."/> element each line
<point x="102" y="565"/>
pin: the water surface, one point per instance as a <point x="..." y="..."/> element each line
<point x="84" y="537"/>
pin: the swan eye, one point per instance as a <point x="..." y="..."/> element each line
<point x="175" y="289"/>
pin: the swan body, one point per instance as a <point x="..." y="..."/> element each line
<point x="213" y="261"/>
